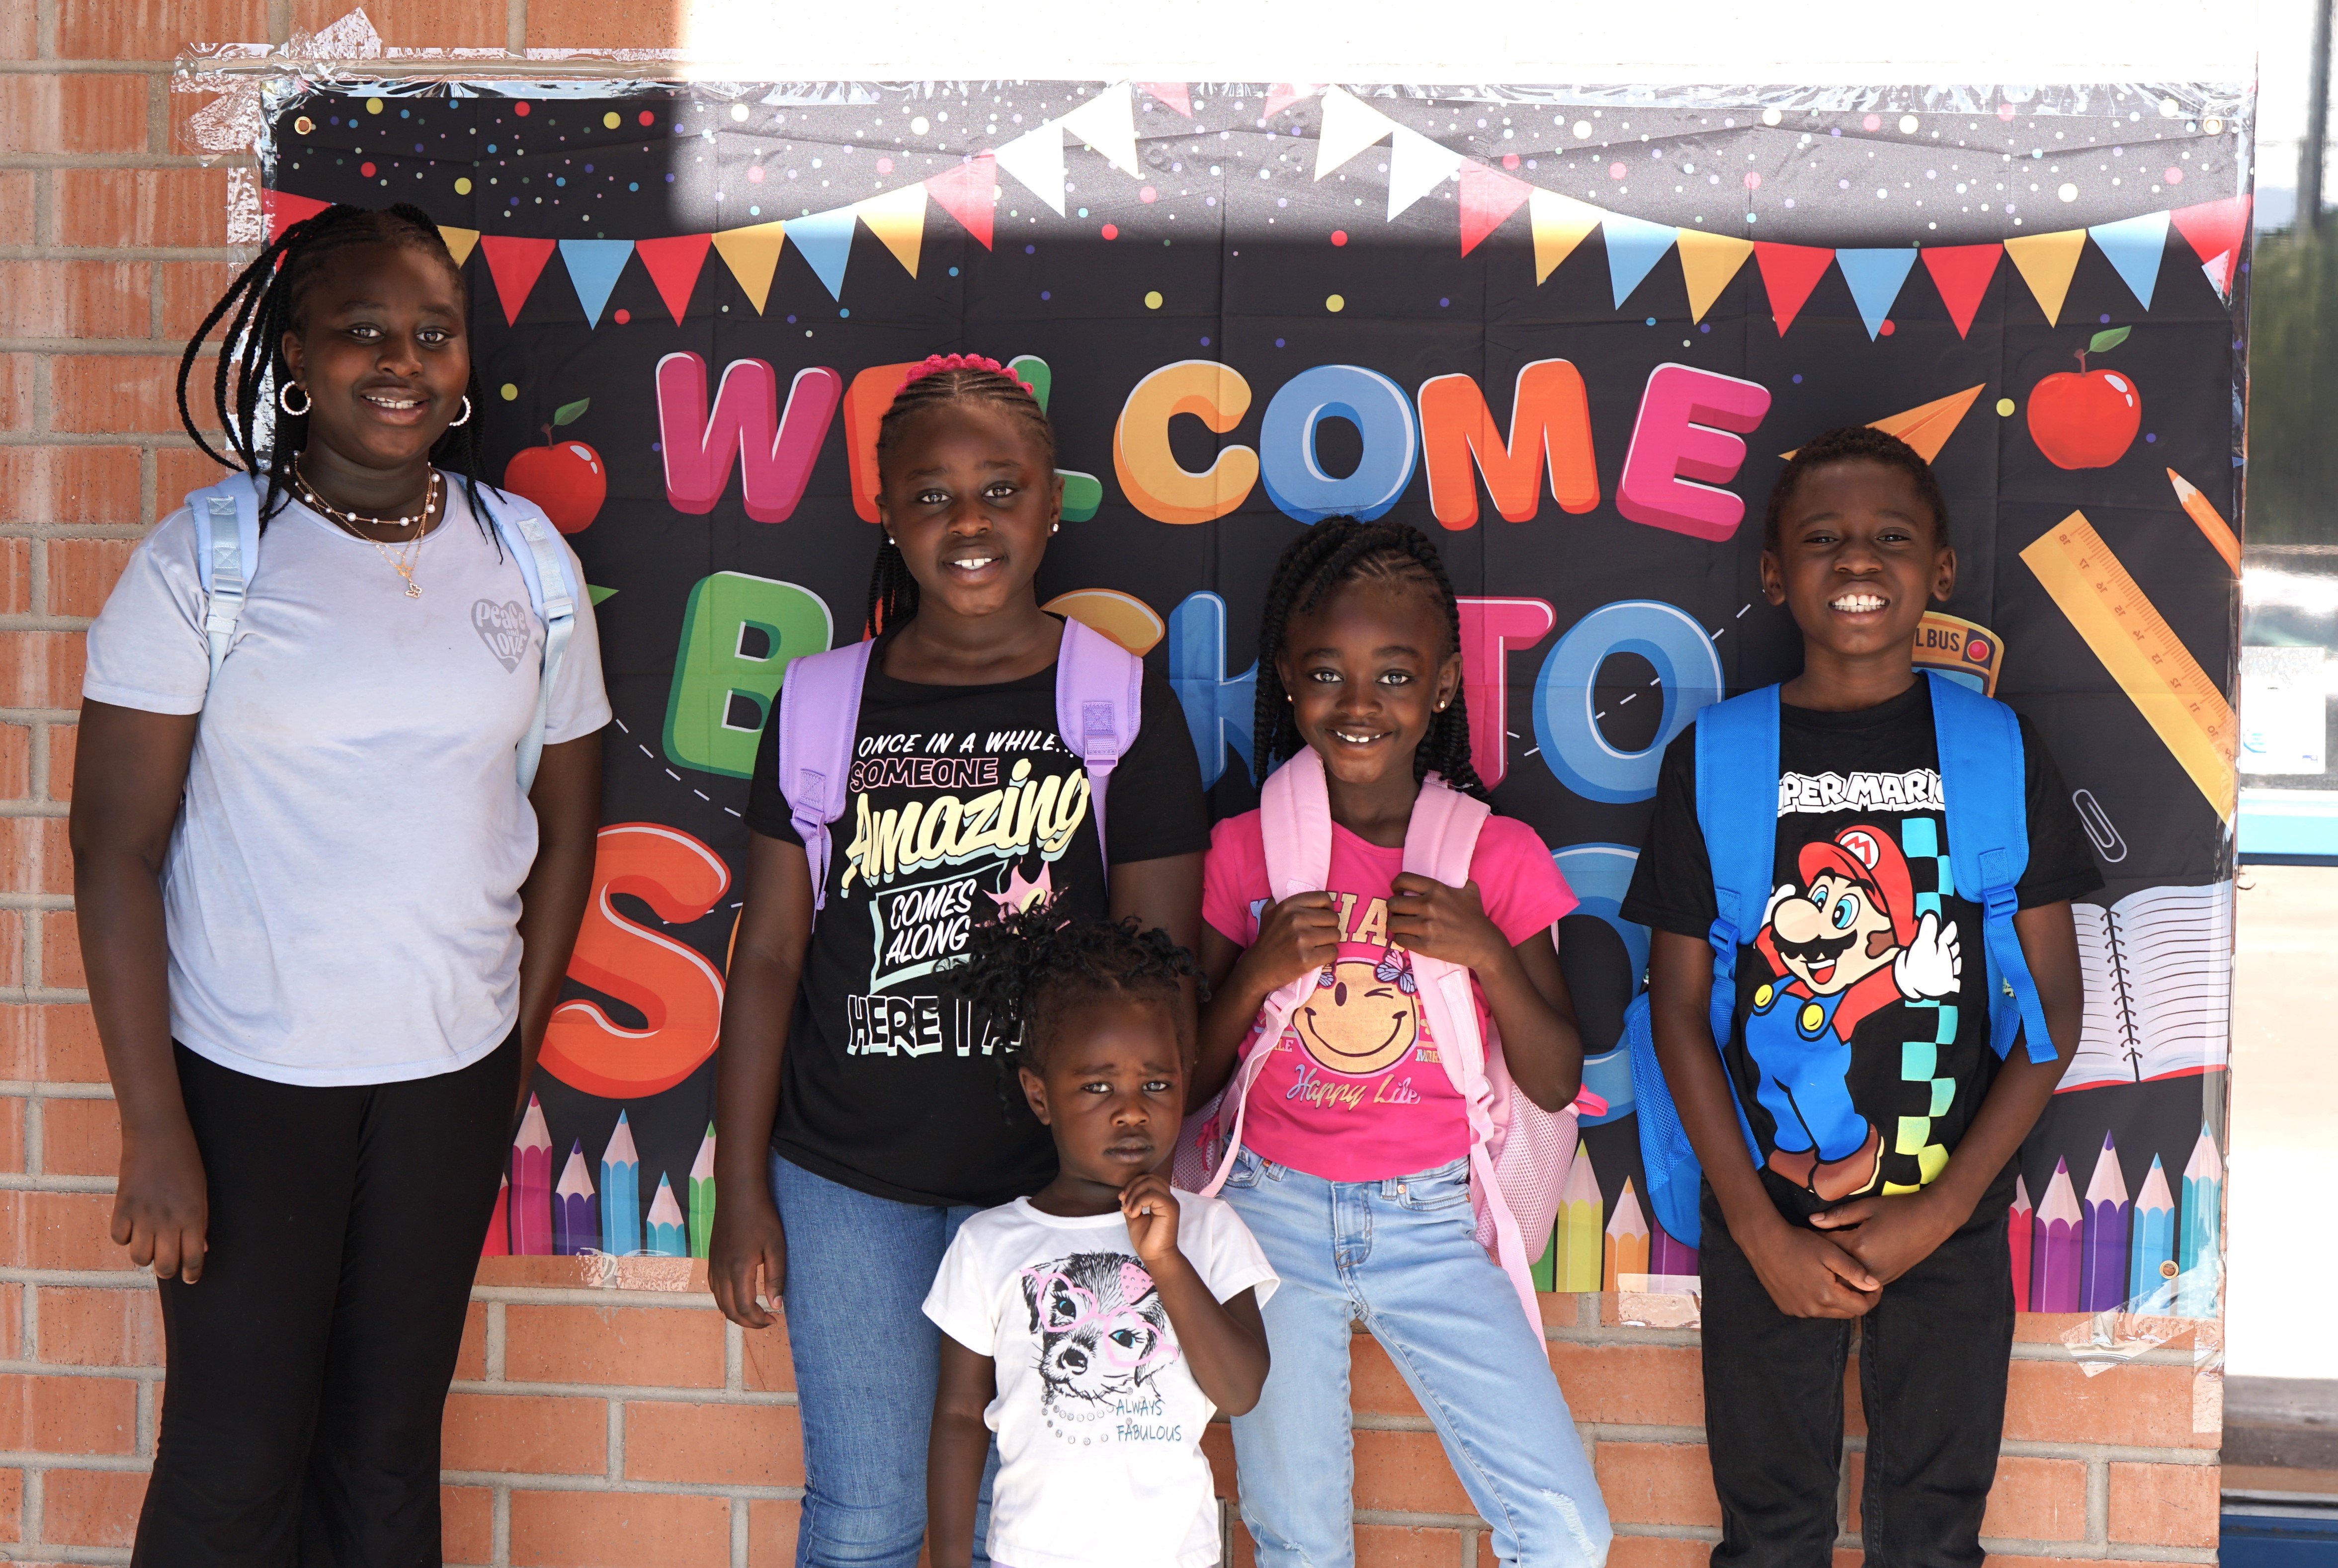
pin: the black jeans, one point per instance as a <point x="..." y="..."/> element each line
<point x="1933" y="1356"/>
<point x="309" y="1366"/>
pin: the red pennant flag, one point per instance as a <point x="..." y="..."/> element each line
<point x="674" y="265"/>
<point x="1173" y="93"/>
<point x="2214" y="229"/>
<point x="969" y="193"/>
<point x="284" y="209"/>
<point x="1961" y="274"/>
<point x="514" y="265"/>
<point x="1789" y="273"/>
<point x="1281" y="95"/>
<point x="1487" y="196"/>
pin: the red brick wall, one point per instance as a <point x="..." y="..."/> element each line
<point x="603" y="1414"/>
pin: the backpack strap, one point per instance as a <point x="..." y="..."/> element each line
<point x="529" y="537"/>
<point x="227" y="546"/>
<point x="1099" y="703"/>
<point x="1984" y="791"/>
<point x="819" y="717"/>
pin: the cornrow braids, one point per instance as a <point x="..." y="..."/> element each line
<point x="940" y="380"/>
<point x="1029" y="967"/>
<point x="1849" y="444"/>
<point x="261" y="306"/>
<point x="1334" y="553"/>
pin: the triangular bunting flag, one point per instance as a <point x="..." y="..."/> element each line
<point x="284" y="210"/>
<point x="1349" y="125"/>
<point x="2045" y="263"/>
<point x="1635" y="246"/>
<point x="1961" y="274"/>
<point x="1035" y="158"/>
<point x="674" y="265"/>
<point x="2133" y="246"/>
<point x="898" y="219"/>
<point x="1875" y="276"/>
<point x="1927" y="426"/>
<point x="593" y="268"/>
<point x="824" y="240"/>
<point x="459" y="242"/>
<point x="2214" y="230"/>
<point x="1487" y="196"/>
<point x="1416" y="167"/>
<point x="1708" y="261"/>
<point x="752" y="254"/>
<point x="1560" y="223"/>
<point x="968" y="193"/>
<point x="514" y="265"/>
<point x="1104" y="124"/>
<point x="1789" y="273"/>
<point x="1173" y="93"/>
<point x="1281" y="95"/>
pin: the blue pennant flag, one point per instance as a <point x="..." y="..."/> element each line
<point x="2133" y="246"/>
<point x="825" y="240"/>
<point x="1875" y="276"/>
<point x="1635" y="246"/>
<point x="594" y="266"/>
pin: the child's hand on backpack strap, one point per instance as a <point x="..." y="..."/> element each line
<point x="1151" y="1208"/>
<point x="1809" y="1275"/>
<point x="1296" y="936"/>
<point x="1891" y="1234"/>
<point x="1427" y="916"/>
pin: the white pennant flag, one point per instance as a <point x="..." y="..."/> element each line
<point x="1106" y="122"/>
<point x="1349" y="125"/>
<point x="1416" y="167"/>
<point x="1037" y="159"/>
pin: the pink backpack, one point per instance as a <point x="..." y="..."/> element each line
<point x="1518" y="1152"/>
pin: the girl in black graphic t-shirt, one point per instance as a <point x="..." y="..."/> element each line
<point x="859" y="1117"/>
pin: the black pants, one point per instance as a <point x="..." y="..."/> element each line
<point x="1932" y="1362"/>
<point x="308" y="1368"/>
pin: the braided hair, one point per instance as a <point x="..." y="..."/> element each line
<point x="264" y="303"/>
<point x="1854" y="443"/>
<point x="1331" y="555"/>
<point x="942" y="379"/>
<point x="1029" y="967"/>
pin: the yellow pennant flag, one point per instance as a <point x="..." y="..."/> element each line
<point x="752" y="254"/>
<point x="1560" y="224"/>
<point x="1708" y="261"/>
<point x="2045" y="263"/>
<point x="898" y="219"/>
<point x="459" y="242"/>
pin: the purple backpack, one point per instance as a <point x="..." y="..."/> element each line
<point x="1099" y="688"/>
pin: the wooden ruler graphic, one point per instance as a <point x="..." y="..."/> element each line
<point x="2142" y="653"/>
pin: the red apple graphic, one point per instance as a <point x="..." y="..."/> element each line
<point x="566" y="478"/>
<point x="2086" y="419"/>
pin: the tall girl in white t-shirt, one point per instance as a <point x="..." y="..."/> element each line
<point x="324" y="929"/>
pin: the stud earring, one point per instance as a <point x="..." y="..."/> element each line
<point x="284" y="399"/>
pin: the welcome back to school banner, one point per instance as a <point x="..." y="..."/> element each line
<point x="1570" y="332"/>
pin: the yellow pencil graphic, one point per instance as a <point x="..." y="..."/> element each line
<point x="2219" y="532"/>
<point x="1577" y="1266"/>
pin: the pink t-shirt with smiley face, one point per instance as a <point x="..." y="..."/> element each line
<point x="1357" y="1091"/>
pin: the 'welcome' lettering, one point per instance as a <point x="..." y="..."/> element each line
<point x="775" y="449"/>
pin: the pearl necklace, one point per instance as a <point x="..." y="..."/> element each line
<point x="403" y="562"/>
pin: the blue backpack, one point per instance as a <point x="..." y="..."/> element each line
<point x="1983" y="794"/>
<point x="227" y="552"/>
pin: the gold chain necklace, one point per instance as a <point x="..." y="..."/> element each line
<point x="403" y="562"/>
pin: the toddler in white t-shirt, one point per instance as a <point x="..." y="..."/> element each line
<point x="1097" y="1325"/>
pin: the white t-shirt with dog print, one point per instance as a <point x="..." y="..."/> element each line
<point x="1098" y="1417"/>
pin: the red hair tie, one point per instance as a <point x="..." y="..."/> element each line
<point x="935" y="364"/>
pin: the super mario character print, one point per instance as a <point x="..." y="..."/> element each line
<point x="1844" y="940"/>
<point x="1104" y="1337"/>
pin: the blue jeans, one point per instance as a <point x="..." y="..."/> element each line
<point x="867" y="1359"/>
<point x="1402" y="1258"/>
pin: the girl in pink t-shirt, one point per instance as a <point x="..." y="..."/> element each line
<point x="1354" y="1170"/>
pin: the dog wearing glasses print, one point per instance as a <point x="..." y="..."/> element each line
<point x="1103" y="1331"/>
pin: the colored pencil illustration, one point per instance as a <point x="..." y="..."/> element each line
<point x="2206" y="516"/>
<point x="1578" y="1253"/>
<point x="531" y="1184"/>
<point x="576" y="1211"/>
<point x="2196" y="1251"/>
<point x="499" y="1241"/>
<point x="1666" y="1256"/>
<point x="2057" y="1253"/>
<point x="1628" y="1239"/>
<point x="666" y="1227"/>
<point x="2151" y="1273"/>
<point x="2018" y="1236"/>
<point x="2103" y="1271"/>
<point x="701" y="1194"/>
<point x="621" y="1193"/>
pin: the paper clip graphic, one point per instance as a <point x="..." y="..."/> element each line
<point x="2101" y="831"/>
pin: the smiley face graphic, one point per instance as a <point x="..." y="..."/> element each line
<point x="1360" y="1021"/>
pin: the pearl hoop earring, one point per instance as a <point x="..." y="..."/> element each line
<point x="466" y="419"/>
<point x="284" y="399"/>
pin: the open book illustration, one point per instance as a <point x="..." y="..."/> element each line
<point x="2158" y="969"/>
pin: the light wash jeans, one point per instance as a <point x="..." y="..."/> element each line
<point x="1402" y="1258"/>
<point x="867" y="1360"/>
